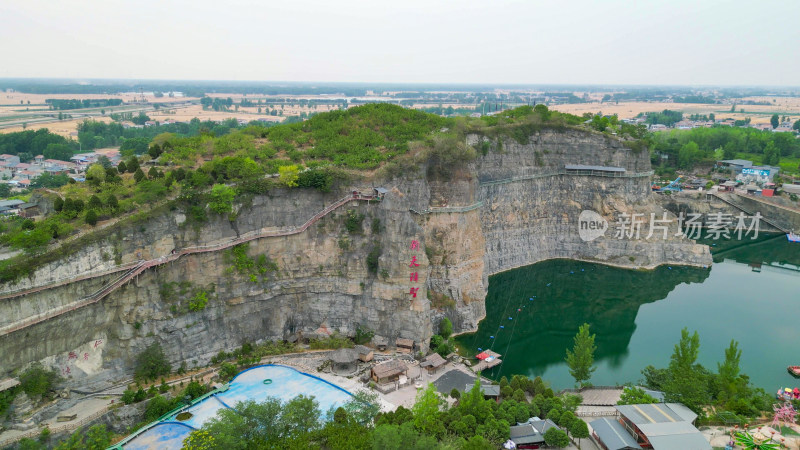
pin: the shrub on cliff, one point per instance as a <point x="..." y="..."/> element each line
<point x="38" y="381"/>
<point x="221" y="199"/>
<point x="151" y="363"/>
<point x="353" y="222"/>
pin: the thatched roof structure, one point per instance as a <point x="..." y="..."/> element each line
<point x="344" y="356"/>
<point x="390" y="368"/>
<point x="433" y="361"/>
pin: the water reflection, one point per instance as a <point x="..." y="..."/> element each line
<point x="743" y="297"/>
<point x="534" y="334"/>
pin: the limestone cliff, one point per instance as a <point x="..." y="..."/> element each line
<point x="512" y="207"/>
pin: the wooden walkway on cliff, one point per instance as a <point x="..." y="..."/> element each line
<point x="137" y="267"/>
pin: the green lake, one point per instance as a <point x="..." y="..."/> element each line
<point x="750" y="294"/>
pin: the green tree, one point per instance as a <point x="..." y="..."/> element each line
<point x="37" y="381"/>
<point x="728" y="370"/>
<point x="581" y="359"/>
<point x="478" y="443"/>
<point x="579" y="430"/>
<point x="687" y="383"/>
<point x="221" y="199"/>
<point x="155" y="151"/>
<point x="121" y="167"/>
<point x="288" y="175"/>
<point x="112" y="202"/>
<point x="96" y="174"/>
<point x="151" y="363"/>
<point x="95" y="202"/>
<point x="401" y="437"/>
<point x="153" y="173"/>
<point x="61" y="152"/>
<point x="138" y="175"/>
<point x="104" y="161"/>
<point x="635" y="396"/>
<point x="91" y="217"/>
<point x="555" y="437"/>
<point x="445" y="328"/>
<point x="363" y="407"/>
<point x="132" y="164"/>
<point x="426" y="410"/>
<point x="58" y="204"/>
<point x="95" y="438"/>
<point x="772" y="156"/>
<point x="774" y="121"/>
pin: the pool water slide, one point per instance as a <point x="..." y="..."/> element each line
<point x="135" y="268"/>
<point x="256" y="383"/>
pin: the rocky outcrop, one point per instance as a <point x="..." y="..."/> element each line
<point x="512" y="207"/>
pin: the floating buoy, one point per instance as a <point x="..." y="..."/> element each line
<point x="519" y="310"/>
<point x="480" y="349"/>
<point x="491" y="337"/>
<point x="509" y="318"/>
<point x="548" y="284"/>
<point x="581" y="270"/>
<point x="501" y="326"/>
<point x="571" y="272"/>
<point x="530" y="298"/>
<point x="268" y="381"/>
<point x="670" y="268"/>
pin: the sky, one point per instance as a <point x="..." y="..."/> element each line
<point x="627" y="42"/>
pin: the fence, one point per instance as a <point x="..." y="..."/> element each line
<point x="58" y="429"/>
<point x="449" y="209"/>
<point x="594" y="173"/>
<point x="144" y="265"/>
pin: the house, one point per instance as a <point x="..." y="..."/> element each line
<point x="728" y="186"/>
<point x="433" y="363"/>
<point x="530" y="434"/>
<point x="29" y="210"/>
<point x="611" y="435"/>
<point x="662" y="426"/>
<point x="389" y="371"/>
<point x="12" y="205"/>
<point x="9" y="158"/>
<point x="489" y="391"/>
<point x="404" y="345"/>
<point x="380" y="342"/>
<point x="791" y="188"/>
<point x="38" y="160"/>
<point x="364" y="353"/>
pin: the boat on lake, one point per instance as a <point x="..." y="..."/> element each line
<point x="794" y="370"/>
<point x="793" y="237"/>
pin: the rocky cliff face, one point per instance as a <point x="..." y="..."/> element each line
<point x="509" y="208"/>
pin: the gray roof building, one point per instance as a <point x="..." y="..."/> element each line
<point x="531" y="432"/>
<point x="613" y="435"/>
<point x="11" y="203"/>
<point x="664" y="426"/>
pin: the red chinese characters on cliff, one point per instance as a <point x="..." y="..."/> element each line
<point x="414" y="276"/>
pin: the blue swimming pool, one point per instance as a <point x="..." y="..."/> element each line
<point x="285" y="383"/>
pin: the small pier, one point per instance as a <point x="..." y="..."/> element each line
<point x="488" y="359"/>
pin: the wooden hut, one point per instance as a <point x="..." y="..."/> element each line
<point x="380" y="342"/>
<point x="364" y="353"/>
<point x="389" y="371"/>
<point x="433" y="363"/>
<point x="404" y="345"/>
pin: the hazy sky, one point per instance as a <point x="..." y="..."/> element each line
<point x="488" y="41"/>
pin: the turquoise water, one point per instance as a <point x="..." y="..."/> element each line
<point x="287" y="383"/>
<point x="751" y="294"/>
